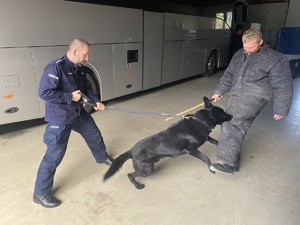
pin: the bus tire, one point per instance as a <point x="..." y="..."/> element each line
<point x="94" y="86"/>
<point x="211" y="65"/>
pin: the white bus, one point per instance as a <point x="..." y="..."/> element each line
<point x="131" y="49"/>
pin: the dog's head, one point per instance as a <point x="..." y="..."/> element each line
<point x="212" y="115"/>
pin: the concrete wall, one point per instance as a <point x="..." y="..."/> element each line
<point x="293" y="18"/>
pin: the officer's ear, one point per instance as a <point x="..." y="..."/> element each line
<point x="75" y="52"/>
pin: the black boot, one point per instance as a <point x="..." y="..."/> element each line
<point x="48" y="201"/>
<point x="225" y="168"/>
<point x="108" y="161"/>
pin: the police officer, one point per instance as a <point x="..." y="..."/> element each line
<point x="61" y="84"/>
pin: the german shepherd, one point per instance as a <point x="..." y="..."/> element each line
<point x="183" y="137"/>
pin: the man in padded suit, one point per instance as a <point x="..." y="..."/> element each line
<point x="254" y="75"/>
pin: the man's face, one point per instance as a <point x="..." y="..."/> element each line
<point x="252" y="46"/>
<point x="82" y="55"/>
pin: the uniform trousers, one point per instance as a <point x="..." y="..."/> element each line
<point x="244" y="110"/>
<point x="56" y="138"/>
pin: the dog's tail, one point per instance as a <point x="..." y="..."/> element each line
<point x="117" y="164"/>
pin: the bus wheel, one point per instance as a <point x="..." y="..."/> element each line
<point x="211" y="65"/>
<point x="94" y="85"/>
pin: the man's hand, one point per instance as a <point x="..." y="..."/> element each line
<point x="76" y="96"/>
<point x="100" y="106"/>
<point x="216" y="97"/>
<point x="278" y="117"/>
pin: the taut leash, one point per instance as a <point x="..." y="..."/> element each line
<point x="86" y="100"/>
<point x="135" y="111"/>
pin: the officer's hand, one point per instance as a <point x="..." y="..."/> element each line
<point x="100" y="106"/>
<point x="76" y="96"/>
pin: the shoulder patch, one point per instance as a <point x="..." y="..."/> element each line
<point x="53" y="76"/>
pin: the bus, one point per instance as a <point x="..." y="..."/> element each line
<point x="131" y="49"/>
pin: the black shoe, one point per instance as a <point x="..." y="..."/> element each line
<point x="108" y="161"/>
<point x="236" y="168"/>
<point x="48" y="201"/>
<point x="225" y="168"/>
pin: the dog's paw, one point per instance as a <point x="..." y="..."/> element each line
<point x="212" y="140"/>
<point x="140" y="186"/>
<point x="212" y="171"/>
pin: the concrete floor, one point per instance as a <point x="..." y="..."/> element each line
<point x="181" y="191"/>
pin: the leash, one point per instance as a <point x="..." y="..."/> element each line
<point x="135" y="111"/>
<point x="86" y="100"/>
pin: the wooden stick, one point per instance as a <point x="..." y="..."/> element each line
<point x="184" y="112"/>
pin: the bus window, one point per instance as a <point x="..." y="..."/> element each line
<point x="223" y="20"/>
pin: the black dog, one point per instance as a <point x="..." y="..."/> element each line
<point x="183" y="137"/>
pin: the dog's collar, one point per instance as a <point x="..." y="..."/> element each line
<point x="198" y="120"/>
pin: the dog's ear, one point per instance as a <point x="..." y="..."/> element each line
<point x="207" y="103"/>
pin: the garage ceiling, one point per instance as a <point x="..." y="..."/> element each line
<point x="203" y="3"/>
<point x="176" y="6"/>
<point x="193" y="3"/>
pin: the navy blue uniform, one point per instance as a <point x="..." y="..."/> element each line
<point x="59" y="80"/>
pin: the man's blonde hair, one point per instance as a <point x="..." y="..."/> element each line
<point x="252" y="34"/>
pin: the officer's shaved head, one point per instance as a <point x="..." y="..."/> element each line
<point x="78" y="51"/>
<point x="77" y="43"/>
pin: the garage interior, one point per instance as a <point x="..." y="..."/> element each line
<point x="180" y="191"/>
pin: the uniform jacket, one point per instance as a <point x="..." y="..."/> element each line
<point x="264" y="74"/>
<point x="60" y="78"/>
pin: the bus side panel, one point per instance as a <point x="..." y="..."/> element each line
<point x="127" y="64"/>
<point x="57" y="22"/>
<point x="177" y="30"/>
<point x="41" y="57"/>
<point x="17" y="86"/>
<point x="172" y="61"/>
<point x="153" y="42"/>
<point x="185" y="27"/>
<point x="193" y="54"/>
